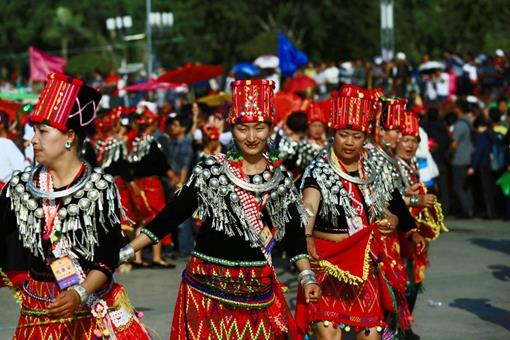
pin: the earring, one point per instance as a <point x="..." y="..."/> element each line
<point x="67" y="144"/>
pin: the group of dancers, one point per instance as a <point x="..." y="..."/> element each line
<point x="354" y="220"/>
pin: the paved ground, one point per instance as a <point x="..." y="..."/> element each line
<point x="467" y="288"/>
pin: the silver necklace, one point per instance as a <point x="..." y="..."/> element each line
<point x="257" y="188"/>
<point x="386" y="156"/>
<point x="37" y="193"/>
<point x="347" y="177"/>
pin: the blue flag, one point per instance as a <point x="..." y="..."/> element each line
<point x="290" y="57"/>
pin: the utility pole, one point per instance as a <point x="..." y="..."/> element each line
<point x="387" y="30"/>
<point x="149" y="39"/>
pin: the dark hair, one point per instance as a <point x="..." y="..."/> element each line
<point x="479" y="121"/>
<point x="463" y="105"/>
<point x="4" y="119"/>
<point x="433" y="113"/>
<point x="502" y="99"/>
<point x="494" y="115"/>
<point x="297" y="121"/>
<point x="184" y="121"/>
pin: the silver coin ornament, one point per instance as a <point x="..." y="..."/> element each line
<point x="234" y="198"/>
<point x="25" y="176"/>
<point x="93" y="195"/>
<point x="214" y="183"/>
<point x="62" y="213"/>
<point x="223" y="191"/>
<point x="20" y="188"/>
<point x="73" y="210"/>
<point x="223" y="180"/>
<point x="210" y="161"/>
<point x="32" y="204"/>
<point x="282" y="190"/>
<point x="14" y="180"/>
<point x="197" y="170"/>
<point x="95" y="177"/>
<point x="79" y="194"/>
<point x="206" y="174"/>
<point x="39" y="213"/>
<point x="266" y="175"/>
<point x="101" y="184"/>
<point x="84" y="204"/>
<point x="257" y="179"/>
<point x="215" y="170"/>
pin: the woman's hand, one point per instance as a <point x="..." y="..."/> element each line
<point x="388" y="225"/>
<point x="427" y="201"/>
<point x="310" y="246"/>
<point x="312" y="292"/>
<point x="413" y="189"/>
<point x="64" y="305"/>
<point x="419" y="241"/>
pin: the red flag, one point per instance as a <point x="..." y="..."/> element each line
<point x="42" y="64"/>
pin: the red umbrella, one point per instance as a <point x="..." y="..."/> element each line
<point x="151" y="85"/>
<point x="11" y="108"/>
<point x="285" y="103"/>
<point x="190" y="73"/>
<point x="299" y="84"/>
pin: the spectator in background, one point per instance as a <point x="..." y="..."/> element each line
<point x="469" y="79"/>
<point x="12" y="158"/>
<point x="499" y="154"/>
<point x="439" y="145"/>
<point x="442" y="84"/>
<point x="211" y="142"/>
<point x="401" y="75"/>
<point x="461" y="148"/>
<point x="181" y="156"/>
<point x="503" y="110"/>
<point x="480" y="165"/>
<point x="332" y="74"/>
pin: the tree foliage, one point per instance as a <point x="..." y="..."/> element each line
<point x="227" y="31"/>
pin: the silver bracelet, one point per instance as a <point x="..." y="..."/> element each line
<point x="308" y="280"/>
<point x="127" y="254"/>
<point x="82" y="292"/>
<point x="304" y="273"/>
<point x="414" y="200"/>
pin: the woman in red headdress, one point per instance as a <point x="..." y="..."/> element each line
<point x="247" y="203"/>
<point x="66" y="216"/>
<point x="348" y="212"/>
<point x="424" y="207"/>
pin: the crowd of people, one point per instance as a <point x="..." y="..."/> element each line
<point x="354" y="173"/>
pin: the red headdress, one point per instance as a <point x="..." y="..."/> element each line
<point x="315" y="113"/>
<point x="252" y="102"/>
<point x="410" y="125"/>
<point x="352" y="108"/>
<point x="391" y="113"/>
<point x="110" y="119"/>
<point x="211" y="132"/>
<point x="66" y="103"/>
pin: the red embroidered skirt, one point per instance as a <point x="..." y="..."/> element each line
<point x="348" y="305"/>
<point x="396" y="273"/>
<point x="35" y="324"/>
<point x="229" y="302"/>
<point x="151" y="199"/>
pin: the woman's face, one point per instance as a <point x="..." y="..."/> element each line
<point x="407" y="146"/>
<point x="390" y="138"/>
<point x="251" y="138"/>
<point x="316" y="130"/>
<point x="48" y="143"/>
<point x="348" y="144"/>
